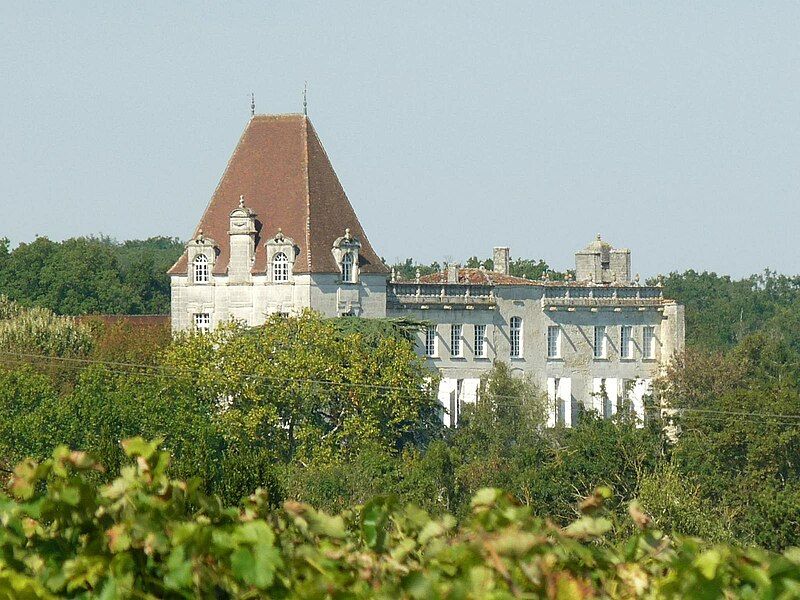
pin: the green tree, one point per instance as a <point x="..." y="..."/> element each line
<point x="90" y="275"/>
<point x="298" y="388"/>
<point x="744" y="456"/>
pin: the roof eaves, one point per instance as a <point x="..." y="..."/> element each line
<point x="311" y="131"/>
<point x="308" y="193"/>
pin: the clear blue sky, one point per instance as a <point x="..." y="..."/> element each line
<point x="672" y="128"/>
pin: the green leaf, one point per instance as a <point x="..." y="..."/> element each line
<point x="179" y="570"/>
<point x="708" y="562"/>
<point x="138" y="446"/>
<point x="374" y="517"/>
<point x="588" y="527"/>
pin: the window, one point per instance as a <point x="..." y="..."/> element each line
<point x="553" y="341"/>
<point x="347" y="267"/>
<point x="480" y="341"/>
<point x="431" y="345"/>
<point x="626" y="341"/>
<point x="455" y="341"/>
<point x="648" y="341"/>
<point x="280" y="267"/>
<point x="600" y="341"/>
<point x="516" y="337"/>
<point x="202" y="322"/>
<point x="200" y="268"/>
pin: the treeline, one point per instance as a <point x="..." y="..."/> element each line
<point x="93" y="275"/>
<point x="721" y="311"/>
<point x="98" y="275"/>
<point x="335" y="411"/>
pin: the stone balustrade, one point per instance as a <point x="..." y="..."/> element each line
<point x="419" y="294"/>
<point x="596" y="296"/>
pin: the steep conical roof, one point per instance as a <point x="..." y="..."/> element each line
<point x="286" y="178"/>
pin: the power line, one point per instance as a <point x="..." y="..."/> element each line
<point x="118" y="367"/>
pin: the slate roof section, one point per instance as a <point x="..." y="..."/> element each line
<point x="286" y="178"/>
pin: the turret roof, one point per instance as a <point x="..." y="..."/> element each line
<point x="286" y="178"/>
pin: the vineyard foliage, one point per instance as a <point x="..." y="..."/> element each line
<point x="145" y="536"/>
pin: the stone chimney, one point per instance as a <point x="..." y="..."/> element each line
<point x="452" y="273"/>
<point x="242" y="235"/>
<point x="600" y="263"/>
<point x="501" y="257"/>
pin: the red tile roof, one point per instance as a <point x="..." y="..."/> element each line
<point x="135" y="320"/>
<point x="485" y="277"/>
<point x="286" y="178"/>
<point x="479" y="277"/>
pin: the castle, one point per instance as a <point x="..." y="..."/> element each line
<point x="280" y="236"/>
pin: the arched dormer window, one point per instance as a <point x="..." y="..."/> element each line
<point x="200" y="269"/>
<point x="346" y="254"/>
<point x="280" y="267"/>
<point x="347" y="267"/>
<point x="516" y="337"/>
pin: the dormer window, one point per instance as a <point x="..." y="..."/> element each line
<point x="281" y="254"/>
<point x="345" y="252"/>
<point x="347" y="267"/>
<point x="200" y="271"/>
<point x="201" y="254"/>
<point x="280" y="267"/>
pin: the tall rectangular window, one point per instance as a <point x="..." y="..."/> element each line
<point x="599" y="341"/>
<point x="516" y="337"/>
<point x="648" y="341"/>
<point x="430" y="341"/>
<point x="626" y="341"/>
<point x="455" y="341"/>
<point x="553" y="341"/>
<point x="480" y="341"/>
<point x="202" y="322"/>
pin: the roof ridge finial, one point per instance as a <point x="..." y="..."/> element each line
<point x="252" y="104"/>
<point x="305" y="99"/>
<point x="241" y="200"/>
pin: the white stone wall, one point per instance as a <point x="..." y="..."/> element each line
<point x="253" y="302"/>
<point x="577" y="368"/>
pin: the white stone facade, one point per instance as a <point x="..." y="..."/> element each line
<point x="575" y="377"/>
<point x="595" y="342"/>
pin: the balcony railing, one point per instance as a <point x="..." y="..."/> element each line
<point x="440" y="293"/>
<point x="602" y="296"/>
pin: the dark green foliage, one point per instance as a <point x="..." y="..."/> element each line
<point x="372" y="331"/>
<point x="720" y="311"/>
<point x="90" y="275"/>
<point x="740" y="435"/>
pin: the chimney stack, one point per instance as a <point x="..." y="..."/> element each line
<point x="452" y="273"/>
<point x="501" y="258"/>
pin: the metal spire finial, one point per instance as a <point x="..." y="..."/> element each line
<point x="305" y="99"/>
<point x="252" y="104"/>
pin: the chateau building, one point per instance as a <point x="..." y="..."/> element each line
<point x="279" y="235"/>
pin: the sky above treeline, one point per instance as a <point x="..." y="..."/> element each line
<point x="670" y="128"/>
